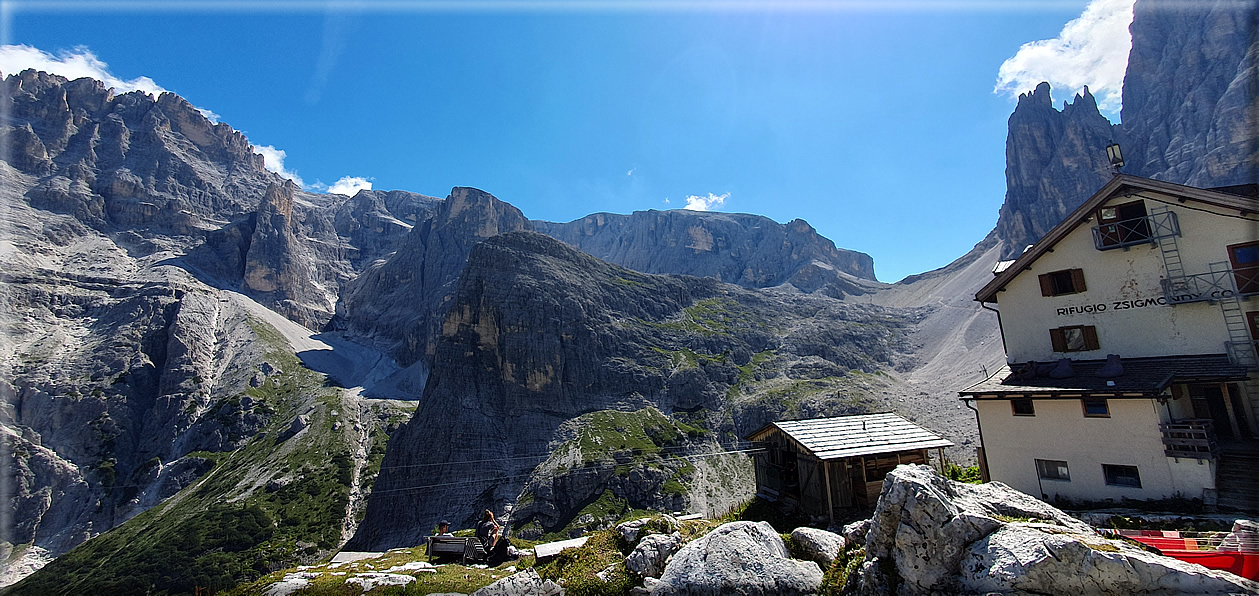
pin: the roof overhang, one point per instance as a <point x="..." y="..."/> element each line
<point x="1142" y="378"/>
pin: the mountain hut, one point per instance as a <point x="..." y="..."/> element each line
<point x="826" y="464"/>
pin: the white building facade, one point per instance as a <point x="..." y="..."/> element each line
<point x="1164" y="280"/>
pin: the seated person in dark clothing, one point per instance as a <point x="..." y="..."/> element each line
<point x="496" y="547"/>
<point x="487" y="531"/>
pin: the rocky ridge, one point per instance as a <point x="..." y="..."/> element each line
<point x="746" y="250"/>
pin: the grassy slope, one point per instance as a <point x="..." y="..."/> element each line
<point x="230" y="526"/>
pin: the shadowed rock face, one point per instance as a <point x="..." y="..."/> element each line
<point x="747" y="250"/>
<point x="400" y="303"/>
<point x="1189" y="116"/>
<point x="1054" y="161"/>
<point x="539" y="333"/>
<point x="1191" y="93"/>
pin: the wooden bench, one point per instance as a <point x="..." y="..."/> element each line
<point x="467" y="548"/>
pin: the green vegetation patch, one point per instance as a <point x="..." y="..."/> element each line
<point x="577" y="567"/>
<point x="969" y="475"/>
<point x="267" y="505"/>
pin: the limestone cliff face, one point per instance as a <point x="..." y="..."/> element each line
<point x="1189" y="116"/>
<point x="376" y="222"/>
<point x="539" y="334"/>
<point x="127" y="160"/>
<point x="400" y="303"/>
<point x="747" y="250"/>
<point x="280" y="268"/>
<point x="1191" y="93"/>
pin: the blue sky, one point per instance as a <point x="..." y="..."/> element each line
<point x="880" y="126"/>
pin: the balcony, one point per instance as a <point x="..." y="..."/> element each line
<point x="1243" y="353"/>
<point x="1218" y="284"/>
<point x="1189" y="438"/>
<point x="1141" y="230"/>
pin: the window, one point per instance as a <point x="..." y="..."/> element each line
<point x="1057" y="283"/>
<point x="1095" y="407"/>
<point x="1080" y="338"/>
<point x="1245" y="261"/>
<point x="1023" y="406"/>
<point x="1121" y="225"/>
<point x="1121" y="475"/>
<point x="1052" y="469"/>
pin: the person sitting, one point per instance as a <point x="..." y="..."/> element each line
<point x="487" y="531"/>
<point x="443" y="528"/>
<point x="497" y="548"/>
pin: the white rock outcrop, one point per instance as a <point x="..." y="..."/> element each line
<point x="942" y="536"/>
<point x="652" y="554"/>
<point x="819" y="545"/>
<point x="747" y="558"/>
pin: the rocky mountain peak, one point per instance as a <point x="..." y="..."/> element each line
<point x="1054" y="161"/>
<point x="400" y="303"/>
<point x="1036" y="98"/>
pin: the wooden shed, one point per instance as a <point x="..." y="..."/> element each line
<point x="829" y="464"/>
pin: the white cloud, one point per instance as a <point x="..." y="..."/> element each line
<point x="273" y="160"/>
<point x="350" y="185"/>
<point x="73" y="64"/>
<point x="209" y="115"/>
<point x="1091" y="50"/>
<point x="698" y="203"/>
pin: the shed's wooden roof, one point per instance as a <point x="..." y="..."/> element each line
<point x="849" y="436"/>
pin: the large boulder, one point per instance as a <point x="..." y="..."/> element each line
<point x="819" y="545"/>
<point x="929" y="535"/>
<point x="747" y="558"/>
<point x="1034" y="558"/>
<point x="652" y="554"/>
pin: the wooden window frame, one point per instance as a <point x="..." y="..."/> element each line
<point x="1022" y="400"/>
<point x="1058" y="338"/>
<point x="1108" y="472"/>
<point x="1084" y="407"/>
<point x="1044" y="471"/>
<point x="1050" y="286"/>
<point x="1245" y="275"/>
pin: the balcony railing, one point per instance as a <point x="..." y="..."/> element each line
<point x="1189" y="438"/>
<point x="1243" y="353"/>
<point x="1220" y="284"/>
<point x="1140" y="230"/>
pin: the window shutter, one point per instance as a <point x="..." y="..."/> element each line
<point x="1046" y="285"/>
<point x="1058" y="339"/>
<point x="1090" y="338"/>
<point x="1077" y="280"/>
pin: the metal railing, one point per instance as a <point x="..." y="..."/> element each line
<point x="1189" y="438"/>
<point x="1139" y="230"/>
<point x="1243" y="353"/>
<point x="1199" y="287"/>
